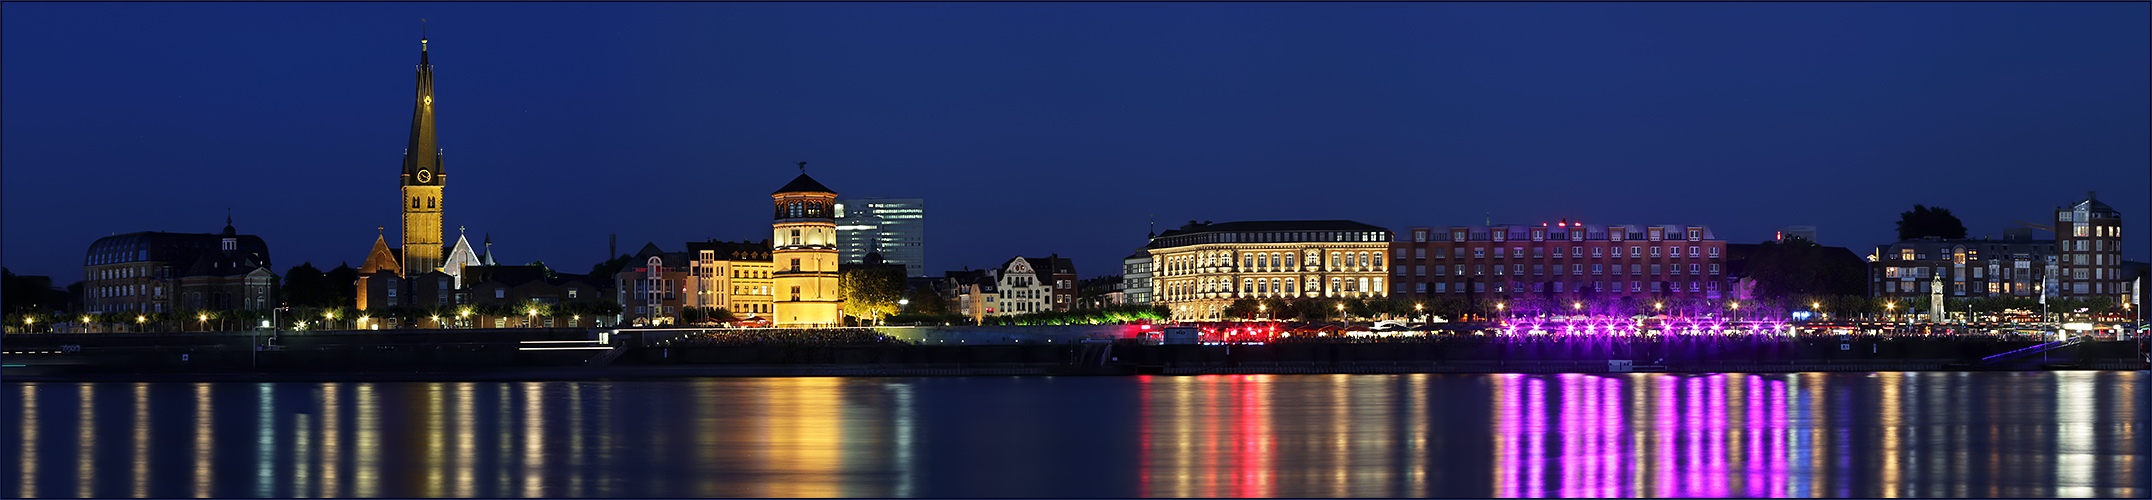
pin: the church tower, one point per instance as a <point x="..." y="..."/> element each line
<point x="804" y="255"/>
<point x="422" y="181"/>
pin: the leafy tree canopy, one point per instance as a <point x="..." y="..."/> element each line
<point x="1924" y="221"/>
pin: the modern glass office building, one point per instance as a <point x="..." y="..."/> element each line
<point x="894" y="227"/>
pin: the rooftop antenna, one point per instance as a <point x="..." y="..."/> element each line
<point x="422" y="35"/>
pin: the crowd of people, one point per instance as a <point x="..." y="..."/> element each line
<point x="818" y="337"/>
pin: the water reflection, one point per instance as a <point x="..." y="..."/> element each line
<point x="2063" y="434"/>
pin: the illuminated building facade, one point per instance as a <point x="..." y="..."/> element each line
<point x="896" y="228"/>
<point x="1136" y="278"/>
<point x="2088" y="238"/>
<point x="972" y="293"/>
<point x="2015" y="266"/>
<point x="734" y="276"/>
<point x="804" y="255"/>
<point x="1030" y="285"/>
<point x="154" y="271"/>
<point x="1561" y="259"/>
<point x="1200" y="269"/>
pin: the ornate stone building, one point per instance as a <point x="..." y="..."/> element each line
<point x="1200" y="269"/>
<point x="804" y="255"/>
<point x="154" y="271"/>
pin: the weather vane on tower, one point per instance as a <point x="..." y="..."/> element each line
<point x="803" y="168"/>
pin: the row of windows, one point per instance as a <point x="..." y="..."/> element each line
<point x="1277" y="237"/>
<point x="1185" y="290"/>
<point x="1542" y="252"/>
<point x="1542" y="234"/>
<point x="1185" y="264"/>
<point x="1574" y="269"/>
<point x="1562" y="286"/>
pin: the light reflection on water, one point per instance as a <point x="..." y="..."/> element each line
<point x="2061" y="434"/>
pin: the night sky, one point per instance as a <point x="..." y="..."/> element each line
<point x="1061" y="128"/>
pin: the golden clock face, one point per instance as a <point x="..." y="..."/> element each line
<point x="425" y="176"/>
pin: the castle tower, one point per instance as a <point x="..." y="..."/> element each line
<point x="804" y="255"/>
<point x="422" y="181"/>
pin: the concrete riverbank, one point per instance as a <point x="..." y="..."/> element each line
<point x="574" y="355"/>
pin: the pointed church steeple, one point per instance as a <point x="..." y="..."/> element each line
<point x="424" y="152"/>
<point x="422" y="180"/>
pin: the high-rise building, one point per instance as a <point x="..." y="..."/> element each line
<point x="2088" y="246"/>
<point x="893" y="227"/>
<point x="804" y="255"/>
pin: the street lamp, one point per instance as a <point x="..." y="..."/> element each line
<point x="326" y="317"/>
<point x="201" y="322"/>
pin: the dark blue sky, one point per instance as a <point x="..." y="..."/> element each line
<point x="1061" y="128"/>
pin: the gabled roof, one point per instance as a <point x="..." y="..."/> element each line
<point x="382" y="258"/>
<point x="803" y="184"/>
<point x="670" y="259"/>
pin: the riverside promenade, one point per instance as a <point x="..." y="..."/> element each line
<point x="571" y="354"/>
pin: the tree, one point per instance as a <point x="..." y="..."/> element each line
<point x="718" y="314"/>
<point x="304" y="285"/>
<point x="1241" y="308"/>
<point x="871" y="291"/>
<point x="691" y="315"/>
<point x="1924" y="221"/>
<point x="608" y="268"/>
<point x="926" y="302"/>
<point x="548" y="271"/>
<point x="343" y="284"/>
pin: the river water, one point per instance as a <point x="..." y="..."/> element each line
<point x="1989" y="434"/>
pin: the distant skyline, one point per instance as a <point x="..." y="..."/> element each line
<point x="1035" y="129"/>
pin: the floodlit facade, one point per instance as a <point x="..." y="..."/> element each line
<point x="804" y="256"/>
<point x="1200" y="269"/>
<point x="892" y="227"/>
<point x="1560" y="259"/>
<point x="2015" y="266"/>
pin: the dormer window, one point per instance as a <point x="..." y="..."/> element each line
<point x="231" y="244"/>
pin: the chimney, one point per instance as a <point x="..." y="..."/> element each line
<point x="2091" y="195"/>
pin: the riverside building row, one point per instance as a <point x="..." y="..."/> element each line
<point x="2084" y="260"/>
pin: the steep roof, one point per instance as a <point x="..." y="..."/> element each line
<point x="382" y="258"/>
<point x="803" y="184"/>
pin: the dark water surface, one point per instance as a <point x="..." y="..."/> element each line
<point x="1992" y="434"/>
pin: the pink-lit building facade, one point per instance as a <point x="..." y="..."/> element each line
<point x="1559" y="259"/>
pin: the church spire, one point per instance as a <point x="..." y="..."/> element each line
<point x="423" y="153"/>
